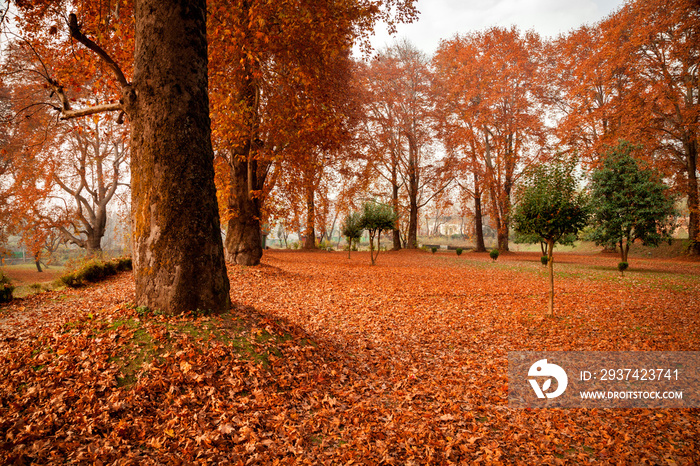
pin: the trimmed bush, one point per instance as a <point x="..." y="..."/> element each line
<point x="494" y="254"/>
<point x="544" y="260"/>
<point x="622" y="266"/>
<point x="6" y="288"/>
<point x="459" y="251"/>
<point x="94" y="271"/>
<point x="433" y="249"/>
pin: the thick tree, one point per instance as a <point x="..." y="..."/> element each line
<point x="634" y="76"/>
<point x="399" y="130"/>
<point x="658" y="44"/>
<point x="179" y="256"/>
<point x="280" y="77"/>
<point x="551" y="207"/>
<point x="178" y="252"/>
<point x="493" y="99"/>
<point x="629" y="202"/>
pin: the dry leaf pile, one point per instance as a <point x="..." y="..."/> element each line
<point x="326" y="360"/>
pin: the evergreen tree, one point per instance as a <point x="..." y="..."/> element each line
<point x="629" y="203"/>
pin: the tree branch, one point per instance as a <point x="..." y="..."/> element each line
<point x="68" y="114"/>
<point x="83" y="39"/>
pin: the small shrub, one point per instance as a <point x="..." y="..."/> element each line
<point x="544" y="260"/>
<point x="91" y="271"/>
<point x="6" y="288"/>
<point x="622" y="266"/>
<point x="494" y="254"/>
<point x="69" y="279"/>
<point x="459" y="251"/>
<point x="124" y="263"/>
<point x="95" y="271"/>
<point x="433" y="249"/>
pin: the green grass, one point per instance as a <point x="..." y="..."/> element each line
<point x="145" y="339"/>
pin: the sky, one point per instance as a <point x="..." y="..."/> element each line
<point x="442" y="19"/>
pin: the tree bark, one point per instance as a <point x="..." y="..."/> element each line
<point x="244" y="236"/>
<point x="478" y="217"/>
<point x="243" y="239"/>
<point x="310" y="240"/>
<point x="413" y="181"/>
<point x="396" y="234"/>
<point x="178" y="252"/>
<point x="550" y="266"/>
<point x="693" y="200"/>
<point x="624" y="250"/>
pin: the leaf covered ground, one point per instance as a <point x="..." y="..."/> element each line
<point x="326" y="360"/>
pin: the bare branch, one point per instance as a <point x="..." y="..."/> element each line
<point x="83" y="39"/>
<point x="68" y="114"/>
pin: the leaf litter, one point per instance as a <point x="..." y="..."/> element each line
<point x="326" y="360"/>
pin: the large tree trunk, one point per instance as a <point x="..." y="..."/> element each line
<point x="503" y="237"/>
<point x="243" y="237"/>
<point x="178" y="251"/>
<point x="93" y="244"/>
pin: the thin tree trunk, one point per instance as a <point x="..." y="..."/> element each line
<point x="178" y="252"/>
<point x="624" y="250"/>
<point x="693" y="200"/>
<point x="550" y="266"/>
<point x="396" y="234"/>
<point x="478" y="220"/>
<point x="413" y="181"/>
<point x="310" y="242"/>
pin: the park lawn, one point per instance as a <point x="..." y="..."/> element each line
<point x="328" y="360"/>
<point x="28" y="280"/>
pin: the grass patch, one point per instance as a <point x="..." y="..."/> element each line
<point x="144" y="339"/>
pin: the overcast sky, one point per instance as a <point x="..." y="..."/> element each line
<point x="442" y="19"/>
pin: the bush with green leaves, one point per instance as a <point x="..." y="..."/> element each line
<point x="352" y="230"/>
<point x="494" y="254"/>
<point x="459" y="251"/>
<point x="377" y="217"/>
<point x="622" y="266"/>
<point x="629" y="202"/>
<point x="95" y="270"/>
<point x="6" y="288"/>
<point x="433" y="249"/>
